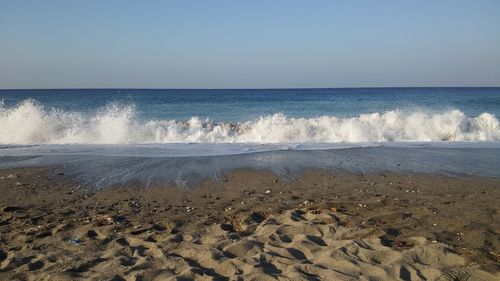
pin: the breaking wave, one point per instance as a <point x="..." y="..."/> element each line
<point x="31" y="123"/>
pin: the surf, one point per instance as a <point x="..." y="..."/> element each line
<point x="30" y="122"/>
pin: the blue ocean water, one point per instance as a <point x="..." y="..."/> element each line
<point x="279" y="116"/>
<point x="247" y="104"/>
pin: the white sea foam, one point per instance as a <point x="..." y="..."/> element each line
<point x="32" y="123"/>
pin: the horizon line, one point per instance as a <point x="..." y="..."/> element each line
<point x="265" y="88"/>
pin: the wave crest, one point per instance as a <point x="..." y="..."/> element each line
<point x="31" y="123"/>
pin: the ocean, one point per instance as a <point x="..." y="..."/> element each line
<point x="102" y="137"/>
<point x="145" y="116"/>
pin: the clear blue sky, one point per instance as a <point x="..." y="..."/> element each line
<point x="248" y="44"/>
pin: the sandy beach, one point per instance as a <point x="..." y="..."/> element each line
<point x="252" y="225"/>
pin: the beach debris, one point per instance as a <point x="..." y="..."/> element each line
<point x="74" y="241"/>
<point x="268" y="191"/>
<point x="33" y="230"/>
<point x="314" y="211"/>
<point x="307" y="202"/>
<point x="250" y="193"/>
<point x="102" y="220"/>
<point x="407" y="215"/>
<point x="339" y="209"/>
<point x="362" y="205"/>
<point x="402" y="244"/>
<point x="228" y="209"/>
<point x="135" y="206"/>
<point x="189" y="209"/>
<point x="19" y="183"/>
<point x="493" y="253"/>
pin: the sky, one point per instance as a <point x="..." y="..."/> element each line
<point x="248" y="44"/>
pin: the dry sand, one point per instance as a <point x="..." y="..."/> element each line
<point x="252" y="226"/>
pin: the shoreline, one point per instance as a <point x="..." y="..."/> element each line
<point x="99" y="166"/>
<point x="251" y="224"/>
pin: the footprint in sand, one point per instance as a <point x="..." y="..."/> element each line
<point x="243" y="248"/>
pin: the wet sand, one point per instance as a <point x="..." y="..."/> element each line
<point x="252" y="225"/>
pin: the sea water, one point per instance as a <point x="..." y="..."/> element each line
<point x="135" y="116"/>
<point x="170" y="135"/>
